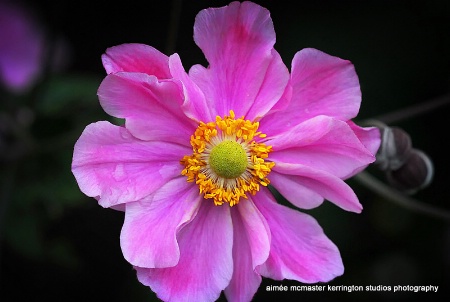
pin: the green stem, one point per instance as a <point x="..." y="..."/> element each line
<point x="414" y="110"/>
<point x="399" y="198"/>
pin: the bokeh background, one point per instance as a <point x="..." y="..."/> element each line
<point x="59" y="245"/>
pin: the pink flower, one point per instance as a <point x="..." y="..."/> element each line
<point x="191" y="165"/>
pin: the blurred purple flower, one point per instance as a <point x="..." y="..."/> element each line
<point x="22" y="46"/>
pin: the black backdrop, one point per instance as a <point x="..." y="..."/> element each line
<point x="401" y="51"/>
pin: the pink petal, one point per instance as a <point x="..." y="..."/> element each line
<point x="327" y="185"/>
<point x="195" y="105"/>
<point x="237" y="41"/>
<point x="109" y="163"/>
<point x="284" y="101"/>
<point x="151" y="107"/>
<point x="292" y="189"/>
<point x="299" y="249"/>
<point x="251" y="247"/>
<point x="136" y="58"/>
<point x="272" y="89"/>
<point x="369" y="136"/>
<point x="322" y="85"/>
<point x="322" y="143"/>
<point x="256" y="230"/>
<point x="148" y="237"/>
<point x="206" y="264"/>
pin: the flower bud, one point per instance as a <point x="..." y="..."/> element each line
<point x="415" y="174"/>
<point x="395" y="148"/>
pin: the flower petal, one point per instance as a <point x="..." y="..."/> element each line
<point x="151" y="107"/>
<point x="206" y="264"/>
<point x="251" y="247"/>
<point x="256" y="229"/>
<point x="299" y="249"/>
<point x="136" y="58"/>
<point x="322" y="143"/>
<point x="369" y="136"/>
<point x="148" y="237"/>
<point x="195" y="105"/>
<point x="292" y="189"/>
<point x="109" y="163"/>
<point x="237" y="41"/>
<point x="322" y="85"/>
<point x="272" y="89"/>
<point x="327" y="185"/>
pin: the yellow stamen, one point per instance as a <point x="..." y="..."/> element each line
<point x="227" y="162"/>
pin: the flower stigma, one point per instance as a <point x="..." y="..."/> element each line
<point x="227" y="161"/>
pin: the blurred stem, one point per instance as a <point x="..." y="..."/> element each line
<point x="399" y="198"/>
<point x="9" y="173"/>
<point x="412" y="111"/>
<point x="173" y="26"/>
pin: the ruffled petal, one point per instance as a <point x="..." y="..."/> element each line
<point x="195" y="105"/>
<point x="284" y="101"/>
<point x="327" y="185"/>
<point x="369" y="136"/>
<point x="206" y="264"/>
<point x="272" y="88"/>
<point x="251" y="247"/>
<point x="115" y="167"/>
<point x="293" y="190"/>
<point x="136" y="58"/>
<point x="256" y="229"/>
<point x="322" y="85"/>
<point x="322" y="143"/>
<point x="244" y="71"/>
<point x="151" y="108"/>
<point x="148" y="237"/>
<point x="299" y="248"/>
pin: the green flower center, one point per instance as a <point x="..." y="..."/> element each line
<point x="228" y="159"/>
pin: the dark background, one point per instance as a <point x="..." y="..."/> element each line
<point x="58" y="245"/>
